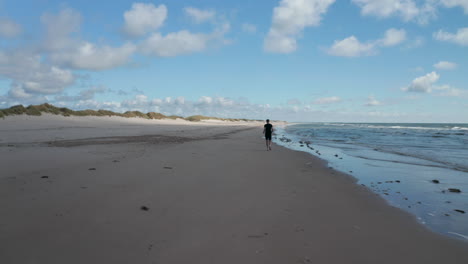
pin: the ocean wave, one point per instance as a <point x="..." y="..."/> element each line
<point x="443" y="148"/>
<point x="459" y="128"/>
<point x="395" y="126"/>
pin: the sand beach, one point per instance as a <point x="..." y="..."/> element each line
<point x="129" y="190"/>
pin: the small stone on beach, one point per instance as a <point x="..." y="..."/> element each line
<point x="454" y="190"/>
<point x="144" y="208"/>
<point x="168" y="168"/>
<point x="460" y="211"/>
<point x="44" y="177"/>
<point x="92" y="169"/>
<point x="435" y="181"/>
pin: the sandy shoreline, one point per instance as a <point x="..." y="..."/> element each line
<point x="214" y="196"/>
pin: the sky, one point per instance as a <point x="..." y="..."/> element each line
<point x="293" y="60"/>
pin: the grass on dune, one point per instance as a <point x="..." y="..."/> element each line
<point x="37" y="110"/>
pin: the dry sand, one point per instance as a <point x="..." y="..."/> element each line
<point x="74" y="190"/>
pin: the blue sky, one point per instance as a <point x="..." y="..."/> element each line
<point x="295" y="60"/>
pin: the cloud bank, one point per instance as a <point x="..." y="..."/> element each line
<point x="48" y="65"/>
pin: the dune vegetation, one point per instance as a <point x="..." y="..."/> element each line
<point x="37" y="110"/>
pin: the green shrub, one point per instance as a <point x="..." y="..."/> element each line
<point x="153" y="115"/>
<point x="66" y="111"/>
<point x="15" y="110"/>
<point x="108" y="113"/>
<point x="196" y="118"/>
<point x="32" y="110"/>
<point x="135" y="114"/>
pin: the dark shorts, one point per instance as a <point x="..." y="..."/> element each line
<point x="268" y="136"/>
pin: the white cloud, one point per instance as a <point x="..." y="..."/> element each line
<point x="140" y="102"/>
<point x="59" y="29"/>
<point x="29" y="76"/>
<point x="249" y="28"/>
<point x="352" y="47"/>
<point x="289" y="20"/>
<point x="427" y="84"/>
<point x="205" y="105"/>
<point x="199" y="15"/>
<point x="445" y="65"/>
<point x="393" y="37"/>
<point x="84" y="95"/>
<point x="90" y="104"/>
<point x="327" y="100"/>
<point x="9" y="28"/>
<point x="65" y="50"/>
<point x="408" y="10"/>
<point x="173" y="44"/>
<point x="371" y="101"/>
<point x="45" y="66"/>
<point x="423" y="84"/>
<point x="455" y="3"/>
<point x="181" y="42"/>
<point x="143" y="18"/>
<point x="88" y="56"/>
<point x="460" y="38"/>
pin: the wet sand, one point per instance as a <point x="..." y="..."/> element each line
<point x="87" y="191"/>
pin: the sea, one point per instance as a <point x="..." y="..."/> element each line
<point x="420" y="168"/>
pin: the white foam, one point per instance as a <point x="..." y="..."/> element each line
<point x="460" y="235"/>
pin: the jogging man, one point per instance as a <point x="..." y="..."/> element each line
<point x="267" y="131"/>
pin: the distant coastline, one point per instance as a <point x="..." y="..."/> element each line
<point x="37" y="110"/>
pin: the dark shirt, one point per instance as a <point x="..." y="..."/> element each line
<point x="268" y="128"/>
